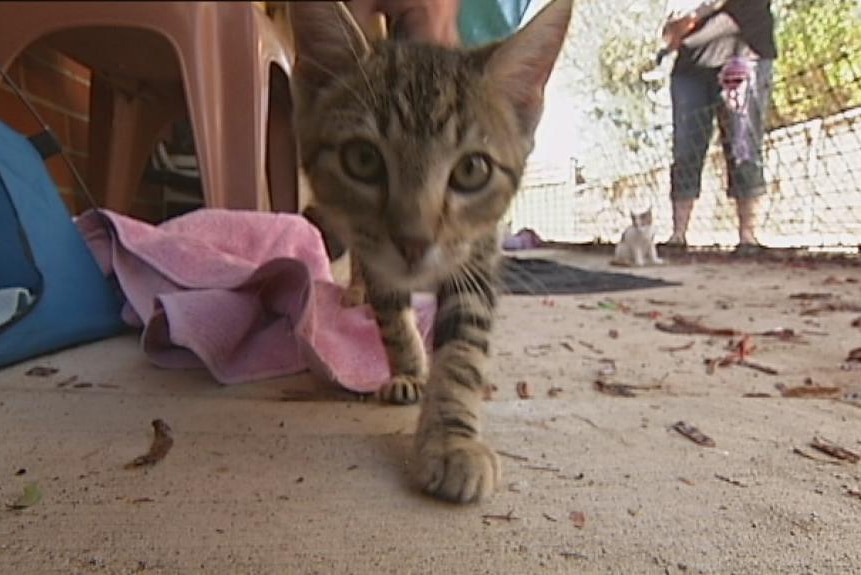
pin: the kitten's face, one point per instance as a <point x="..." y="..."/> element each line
<point x="413" y="160"/>
<point x="413" y="151"/>
<point x="642" y="220"/>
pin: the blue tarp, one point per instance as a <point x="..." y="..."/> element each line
<point x="42" y="254"/>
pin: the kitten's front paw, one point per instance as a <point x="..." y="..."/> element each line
<point x="458" y="469"/>
<point x="402" y="390"/>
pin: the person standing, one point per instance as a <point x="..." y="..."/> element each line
<point x="723" y="70"/>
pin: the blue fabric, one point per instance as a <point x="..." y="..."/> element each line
<point x="42" y="250"/>
<point x="484" y="21"/>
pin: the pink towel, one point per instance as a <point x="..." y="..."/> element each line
<point x="248" y="295"/>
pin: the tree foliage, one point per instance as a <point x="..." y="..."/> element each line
<point x="624" y="60"/>
<point x="818" y="71"/>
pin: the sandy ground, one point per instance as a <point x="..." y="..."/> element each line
<point x="291" y="477"/>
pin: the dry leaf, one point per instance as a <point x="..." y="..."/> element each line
<point x="660" y="302"/>
<point x="40" y="371"/>
<point x="745" y="346"/>
<point x="615" y="389"/>
<point x="730" y="480"/>
<point x="687" y="326"/>
<point x="613" y="306"/>
<point x="68" y="381"/>
<point x="811" y="296"/>
<point x="834" y="450"/>
<point x="783" y="334"/>
<point x="524" y="390"/>
<point x="806" y="455"/>
<point x="31" y="496"/>
<point x="838" y="306"/>
<point x="807" y="391"/>
<point x="672" y="349"/>
<point x="694" y="434"/>
<point x="161" y="444"/>
<point x="758" y="367"/>
<point x="537" y="350"/>
<point x="652" y="315"/>
<point x="590" y="347"/>
<point x="507" y="517"/>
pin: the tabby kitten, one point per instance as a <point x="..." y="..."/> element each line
<point x="414" y="152"/>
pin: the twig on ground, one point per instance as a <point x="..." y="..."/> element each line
<point x="834" y="450"/>
<point x="693" y="434"/>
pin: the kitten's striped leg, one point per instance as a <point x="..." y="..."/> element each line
<point x="404" y="346"/>
<point x="452" y="462"/>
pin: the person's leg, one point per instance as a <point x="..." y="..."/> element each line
<point x="742" y="138"/>
<point x="693" y="119"/>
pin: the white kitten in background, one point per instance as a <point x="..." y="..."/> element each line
<point x="637" y="246"/>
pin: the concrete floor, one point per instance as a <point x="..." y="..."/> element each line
<point x="291" y="477"/>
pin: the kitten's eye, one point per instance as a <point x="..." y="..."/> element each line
<point x="362" y="161"/>
<point x="471" y="173"/>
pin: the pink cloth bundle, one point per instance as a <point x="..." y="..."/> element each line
<point x="248" y="295"/>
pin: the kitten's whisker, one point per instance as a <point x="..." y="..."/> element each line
<point x="480" y="274"/>
<point x="358" y="59"/>
<point x="461" y="280"/>
<point x="469" y="274"/>
<point x="521" y="276"/>
<point x="339" y="80"/>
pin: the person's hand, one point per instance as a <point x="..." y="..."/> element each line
<point x="675" y="31"/>
<point x="432" y="21"/>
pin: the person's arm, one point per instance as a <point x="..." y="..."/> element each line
<point x="677" y="28"/>
<point x="433" y="21"/>
<point x="720" y="26"/>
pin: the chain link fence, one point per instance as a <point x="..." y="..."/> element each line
<point x="604" y="148"/>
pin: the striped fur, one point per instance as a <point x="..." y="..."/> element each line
<point x="414" y="153"/>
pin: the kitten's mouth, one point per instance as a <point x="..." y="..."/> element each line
<point x="416" y="270"/>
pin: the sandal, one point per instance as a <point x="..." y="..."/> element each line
<point x="748" y="249"/>
<point x="673" y="245"/>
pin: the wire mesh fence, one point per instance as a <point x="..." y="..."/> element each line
<point x="605" y="147"/>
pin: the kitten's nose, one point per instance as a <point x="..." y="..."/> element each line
<point x="413" y="249"/>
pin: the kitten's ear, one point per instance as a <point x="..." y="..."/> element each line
<point x="520" y="65"/>
<point x="328" y="42"/>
